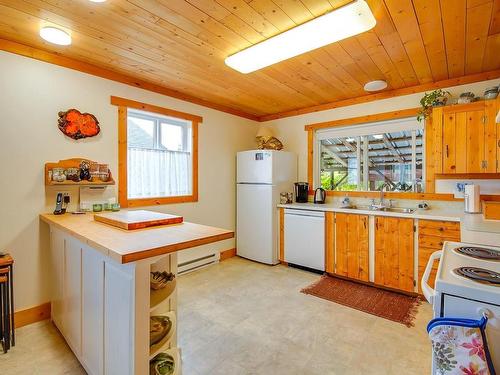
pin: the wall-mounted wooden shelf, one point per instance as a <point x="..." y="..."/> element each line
<point x="73" y="163"/>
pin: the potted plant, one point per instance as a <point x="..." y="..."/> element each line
<point x="435" y="98"/>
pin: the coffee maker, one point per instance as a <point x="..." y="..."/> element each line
<point x="301" y="192"/>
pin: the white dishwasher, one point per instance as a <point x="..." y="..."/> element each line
<point x="305" y="238"/>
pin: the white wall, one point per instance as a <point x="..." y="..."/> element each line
<point x="291" y="130"/>
<point x="32" y="94"/>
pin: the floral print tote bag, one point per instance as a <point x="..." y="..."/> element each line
<point x="459" y="346"/>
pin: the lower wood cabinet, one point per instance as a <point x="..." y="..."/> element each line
<point x="431" y="237"/>
<point x="394" y="252"/>
<point x="351" y="250"/>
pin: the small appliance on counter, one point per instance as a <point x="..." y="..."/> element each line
<point x="301" y="192"/>
<point x="472" y="199"/>
<point x="319" y="196"/>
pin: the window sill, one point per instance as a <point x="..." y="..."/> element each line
<point x="142" y="202"/>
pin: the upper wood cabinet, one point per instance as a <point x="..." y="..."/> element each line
<point x="351" y="250"/>
<point x="462" y="139"/>
<point x="394" y="249"/>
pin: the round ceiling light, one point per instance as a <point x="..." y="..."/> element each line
<point x="54" y="35"/>
<point x="375" y="85"/>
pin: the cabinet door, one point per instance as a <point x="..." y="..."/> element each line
<point x="351" y="248"/>
<point x="490" y="137"/>
<point x="329" y="242"/>
<point x="475" y="141"/>
<point x="73" y="293"/>
<point x="454" y="142"/>
<point x="394" y="264"/>
<point x="93" y="310"/>
<point x="56" y="271"/>
<point x="118" y="320"/>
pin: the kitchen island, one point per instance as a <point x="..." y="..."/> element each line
<point x="101" y="297"/>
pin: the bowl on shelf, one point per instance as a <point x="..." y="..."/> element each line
<point x="159" y="327"/>
<point x="491" y="93"/>
<point x="159" y="280"/>
<point x="163" y="364"/>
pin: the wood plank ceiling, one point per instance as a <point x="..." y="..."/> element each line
<point x="181" y="45"/>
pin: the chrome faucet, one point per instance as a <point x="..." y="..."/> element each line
<point x="384" y="185"/>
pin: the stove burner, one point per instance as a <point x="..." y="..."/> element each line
<point x="479" y="274"/>
<point x="479" y="252"/>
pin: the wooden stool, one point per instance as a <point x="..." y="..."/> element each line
<point x="5" y="320"/>
<point x="8" y="262"/>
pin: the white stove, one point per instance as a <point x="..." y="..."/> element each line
<point x="467" y="286"/>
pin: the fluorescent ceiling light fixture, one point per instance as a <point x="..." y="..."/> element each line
<point x="349" y="20"/>
<point x="54" y="35"/>
<point x="375" y="85"/>
<point x="378" y="136"/>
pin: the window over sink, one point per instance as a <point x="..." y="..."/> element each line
<point x="368" y="156"/>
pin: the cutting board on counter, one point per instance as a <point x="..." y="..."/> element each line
<point x="139" y="219"/>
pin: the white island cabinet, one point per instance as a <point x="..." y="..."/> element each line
<point x="101" y="297"/>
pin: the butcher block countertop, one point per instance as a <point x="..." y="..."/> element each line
<point x="129" y="246"/>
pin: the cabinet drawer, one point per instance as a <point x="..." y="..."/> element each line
<point x="423" y="255"/>
<point x="430" y="242"/>
<point x="447" y="229"/>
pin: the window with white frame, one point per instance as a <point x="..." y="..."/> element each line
<point x="369" y="156"/>
<point x="159" y="155"/>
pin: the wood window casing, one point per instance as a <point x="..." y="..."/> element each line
<point x="433" y="152"/>
<point x="123" y="106"/>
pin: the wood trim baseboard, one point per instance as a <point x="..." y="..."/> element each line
<point x="32" y="315"/>
<point x="56" y="59"/>
<point x="226" y="254"/>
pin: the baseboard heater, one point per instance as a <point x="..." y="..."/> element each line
<point x="194" y="264"/>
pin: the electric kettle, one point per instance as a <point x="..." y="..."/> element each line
<point x="320" y="196"/>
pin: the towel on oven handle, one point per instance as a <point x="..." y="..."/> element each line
<point x="460" y="347"/>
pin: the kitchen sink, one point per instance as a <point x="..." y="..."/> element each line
<point x="401" y="210"/>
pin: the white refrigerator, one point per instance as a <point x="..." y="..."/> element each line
<point x="261" y="176"/>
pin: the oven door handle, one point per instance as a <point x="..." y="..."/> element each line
<point x="427" y="290"/>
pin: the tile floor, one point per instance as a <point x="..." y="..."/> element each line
<point x="239" y="317"/>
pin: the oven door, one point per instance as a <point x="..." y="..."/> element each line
<point x="455" y="307"/>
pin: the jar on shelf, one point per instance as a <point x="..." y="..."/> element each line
<point x="104" y="172"/>
<point x="58" y="175"/>
<point x="73" y="174"/>
<point x="94" y="171"/>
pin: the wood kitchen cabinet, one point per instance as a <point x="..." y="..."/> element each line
<point x="431" y="236"/>
<point x="351" y="246"/>
<point x="394" y="253"/>
<point x="469" y="137"/>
